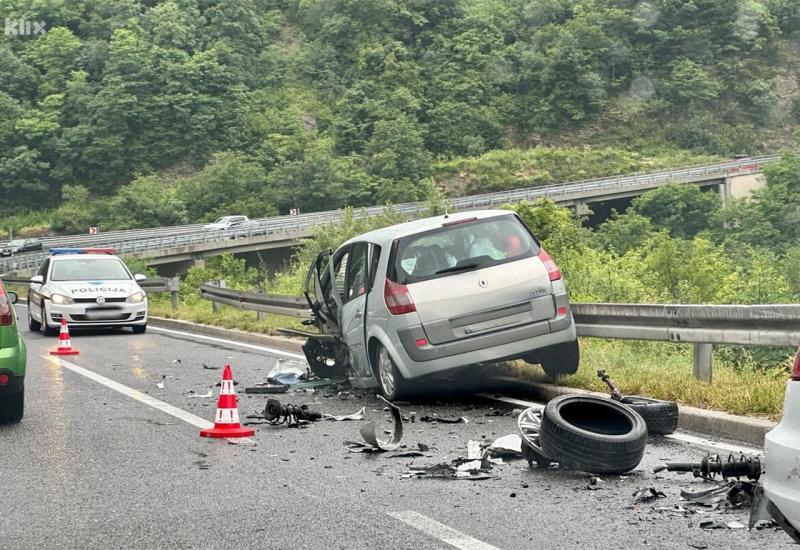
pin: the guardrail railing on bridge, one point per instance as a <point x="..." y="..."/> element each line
<point x="700" y="325"/>
<point x="155" y="241"/>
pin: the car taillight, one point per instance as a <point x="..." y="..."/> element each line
<point x="796" y="369"/>
<point x="549" y="265"/>
<point x="398" y="300"/>
<point x="6" y="314"/>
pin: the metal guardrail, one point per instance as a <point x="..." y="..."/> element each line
<point x="293" y="306"/>
<point x="701" y="325"/>
<point x="156" y="240"/>
<point x="149" y="285"/>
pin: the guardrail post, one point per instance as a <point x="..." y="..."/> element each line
<point x="173" y="284"/>
<point x="261" y="316"/>
<point x="221" y="284"/>
<point x="703" y="362"/>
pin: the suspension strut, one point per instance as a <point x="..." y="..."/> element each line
<point x="277" y="413"/>
<point x="713" y="465"/>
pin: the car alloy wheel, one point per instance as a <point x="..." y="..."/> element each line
<point x="386" y="372"/>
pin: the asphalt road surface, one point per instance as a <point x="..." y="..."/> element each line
<point x="104" y="458"/>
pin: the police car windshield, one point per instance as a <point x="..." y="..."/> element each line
<point x="89" y="269"/>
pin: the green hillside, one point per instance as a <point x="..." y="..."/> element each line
<point x="141" y="113"/>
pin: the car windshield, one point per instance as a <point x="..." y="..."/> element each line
<point x="17" y="243"/>
<point x="220" y="220"/>
<point x="89" y="269"/>
<point x="462" y="246"/>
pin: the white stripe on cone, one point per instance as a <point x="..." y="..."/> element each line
<point x="227" y="388"/>
<point x="227" y="416"/>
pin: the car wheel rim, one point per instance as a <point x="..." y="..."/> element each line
<point x="386" y="372"/>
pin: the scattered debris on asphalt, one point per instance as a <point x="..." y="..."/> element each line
<point x="288" y="372"/>
<point x="444" y="419"/>
<point x="267" y="387"/>
<point x="458" y="469"/>
<point x="595" y="484"/>
<point x="712" y="524"/>
<point x="368" y="430"/>
<point x="474" y="449"/>
<point x="160" y="385"/>
<point x="358" y="415"/>
<point x="207" y="367"/>
<point x="734" y="494"/>
<point x="208" y="394"/>
<point x="508" y="446"/>
<point x="646" y="494"/>
<point x="291" y="415"/>
<point x="177" y="361"/>
<point x="713" y="466"/>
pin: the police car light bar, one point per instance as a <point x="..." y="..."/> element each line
<point x="59" y="251"/>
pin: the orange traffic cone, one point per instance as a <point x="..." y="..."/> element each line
<point x="226" y="424"/>
<point x="64" y="345"/>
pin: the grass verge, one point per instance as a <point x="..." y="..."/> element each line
<point x="659" y="370"/>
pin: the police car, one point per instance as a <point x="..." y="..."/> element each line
<point x="89" y="287"/>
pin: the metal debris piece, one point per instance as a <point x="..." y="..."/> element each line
<point x="210" y="368"/>
<point x="594" y="484"/>
<point x="735" y="525"/>
<point x="160" y="385"/>
<point x="507" y="446"/>
<point x="368" y="430"/>
<point x="710" y="524"/>
<point x="405" y="454"/>
<point x="612" y="388"/>
<point x="291" y="415"/>
<point x="267" y="387"/>
<point x="358" y="415"/>
<point x="422" y="447"/>
<point x="646" y="494"/>
<point x="713" y="465"/>
<point x="735" y="494"/>
<point x="444" y="419"/>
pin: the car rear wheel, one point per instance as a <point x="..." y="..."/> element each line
<point x="392" y="384"/>
<point x="33" y="324"/>
<point x="12" y="407"/>
<point x="560" y="360"/>
<point x="139" y="329"/>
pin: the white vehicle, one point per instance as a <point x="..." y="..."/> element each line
<point x="89" y="287"/>
<point x="781" y="480"/>
<point x="226" y="222"/>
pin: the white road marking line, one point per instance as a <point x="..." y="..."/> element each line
<point x="230" y="342"/>
<point x="688" y="439"/>
<point x="441" y="531"/>
<point x="134" y="394"/>
<point x="715" y="445"/>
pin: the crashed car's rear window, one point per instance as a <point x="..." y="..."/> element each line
<point x="89" y="269"/>
<point x="482" y="242"/>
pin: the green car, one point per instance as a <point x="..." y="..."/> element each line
<point x="13" y="356"/>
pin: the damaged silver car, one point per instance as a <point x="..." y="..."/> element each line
<point x="432" y="296"/>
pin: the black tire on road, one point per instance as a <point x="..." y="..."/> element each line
<point x="560" y="360"/>
<point x="139" y="329"/>
<point x="660" y="416"/>
<point x="12" y="407"/>
<point x="592" y="434"/>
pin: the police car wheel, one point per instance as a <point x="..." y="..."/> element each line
<point x="47" y="330"/>
<point x="33" y="324"/>
<point x="139" y="329"/>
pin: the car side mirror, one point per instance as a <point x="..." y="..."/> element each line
<point x="37" y="279"/>
<point x="139" y="277"/>
<point x="13" y="297"/>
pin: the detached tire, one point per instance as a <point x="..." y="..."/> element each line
<point x="592" y="434"/>
<point x="661" y="417"/>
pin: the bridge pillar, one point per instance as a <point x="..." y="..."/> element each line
<point x="703" y="354"/>
<point x="199" y="263"/>
<point x="741" y="187"/>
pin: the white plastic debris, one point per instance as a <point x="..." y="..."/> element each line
<point x="358" y="415"/>
<point x="474" y="450"/>
<point x="508" y="445"/>
<point x="288" y="372"/>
